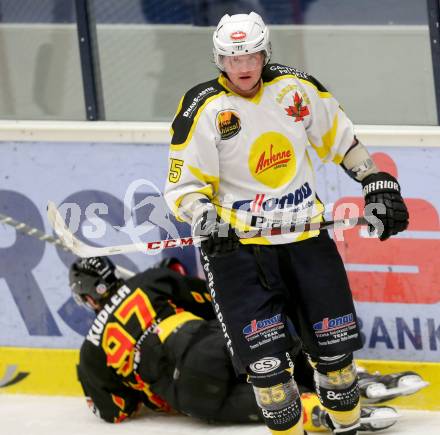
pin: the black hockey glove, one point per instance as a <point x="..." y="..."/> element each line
<point x="221" y="238"/>
<point x="384" y="190"/>
<point x="172" y="263"/>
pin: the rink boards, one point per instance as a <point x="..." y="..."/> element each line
<point x="396" y="284"/>
<point x="53" y="372"/>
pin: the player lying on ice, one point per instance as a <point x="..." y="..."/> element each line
<point x="155" y="341"/>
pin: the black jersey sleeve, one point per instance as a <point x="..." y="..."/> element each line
<point x="273" y="71"/>
<point x="193" y="295"/>
<point x="184" y="292"/>
<point x="190" y="105"/>
<point x="105" y="393"/>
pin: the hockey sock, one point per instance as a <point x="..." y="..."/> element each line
<point x="277" y="394"/>
<point x="338" y="391"/>
<point x="292" y="431"/>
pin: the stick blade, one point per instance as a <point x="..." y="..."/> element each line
<point x="80" y="248"/>
<point x="59" y="226"/>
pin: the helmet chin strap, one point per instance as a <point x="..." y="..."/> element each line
<point x="95" y="306"/>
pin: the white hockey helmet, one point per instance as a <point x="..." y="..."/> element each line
<point x="240" y="34"/>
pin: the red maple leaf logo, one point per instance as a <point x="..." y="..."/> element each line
<point x="298" y="111"/>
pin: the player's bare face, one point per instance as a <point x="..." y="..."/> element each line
<point x="244" y="72"/>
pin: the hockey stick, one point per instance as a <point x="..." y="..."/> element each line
<point x="84" y="250"/>
<point x="30" y="231"/>
<point x="34" y="232"/>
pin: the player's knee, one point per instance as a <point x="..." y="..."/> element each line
<point x="336" y="382"/>
<point x="276" y="392"/>
<point x="271" y="370"/>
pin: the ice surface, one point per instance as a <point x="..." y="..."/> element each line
<point x="43" y="415"/>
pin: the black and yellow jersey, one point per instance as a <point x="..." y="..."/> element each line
<point x="154" y="302"/>
<point x="250" y="156"/>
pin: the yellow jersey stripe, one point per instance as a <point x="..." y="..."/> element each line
<point x="168" y="325"/>
<point x="322" y="94"/>
<point x="206" y="178"/>
<point x="328" y="140"/>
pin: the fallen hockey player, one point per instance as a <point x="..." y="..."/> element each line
<point x="155" y="342"/>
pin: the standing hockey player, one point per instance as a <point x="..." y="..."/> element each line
<point x="239" y="161"/>
<point x="189" y="369"/>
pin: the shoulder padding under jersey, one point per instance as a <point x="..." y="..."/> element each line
<point x="274" y="70"/>
<point x="192" y="102"/>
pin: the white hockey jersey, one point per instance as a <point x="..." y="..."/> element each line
<point x="249" y="155"/>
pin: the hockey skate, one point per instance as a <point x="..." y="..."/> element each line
<point x="377" y="388"/>
<point x="373" y="418"/>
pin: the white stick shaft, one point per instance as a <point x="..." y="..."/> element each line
<point x="31" y="231"/>
<point x="40" y="235"/>
<point x="84" y="250"/>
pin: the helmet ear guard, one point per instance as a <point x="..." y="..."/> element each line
<point x="240" y="34"/>
<point x="93" y="278"/>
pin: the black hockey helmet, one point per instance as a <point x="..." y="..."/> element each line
<point x="94" y="277"/>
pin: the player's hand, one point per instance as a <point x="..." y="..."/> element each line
<point x="204" y="220"/>
<point x="171" y="263"/>
<point x="383" y="190"/>
<point x="221" y="238"/>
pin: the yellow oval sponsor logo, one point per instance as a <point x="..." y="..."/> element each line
<point x="272" y="160"/>
<point x="228" y="123"/>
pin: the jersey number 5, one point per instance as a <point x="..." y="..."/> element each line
<point x="175" y="170"/>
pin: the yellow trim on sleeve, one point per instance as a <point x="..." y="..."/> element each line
<point x="278" y="79"/>
<point x="168" y="325"/>
<point x="328" y="140"/>
<point x="338" y="158"/>
<point x="321" y="94"/>
<point x="209" y="190"/>
<point x="175" y="209"/>
<point x="206" y="190"/>
<point x="309" y="161"/>
<point x="206" y="179"/>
